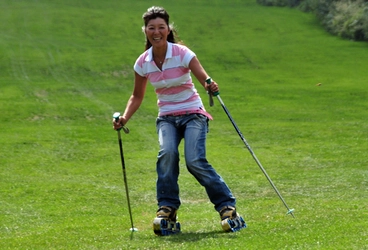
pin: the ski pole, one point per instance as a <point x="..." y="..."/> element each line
<point x="217" y="94"/>
<point x="126" y="130"/>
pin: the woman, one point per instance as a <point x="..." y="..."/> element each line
<point x="168" y="66"/>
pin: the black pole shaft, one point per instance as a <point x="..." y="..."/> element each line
<point x="125" y="179"/>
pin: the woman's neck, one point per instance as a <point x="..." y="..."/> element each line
<point x="159" y="52"/>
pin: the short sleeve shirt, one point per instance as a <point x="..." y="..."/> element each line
<point x="173" y="84"/>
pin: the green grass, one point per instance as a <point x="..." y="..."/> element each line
<point x="66" y="66"/>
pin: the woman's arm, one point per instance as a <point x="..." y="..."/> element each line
<point x="201" y="75"/>
<point x="134" y="101"/>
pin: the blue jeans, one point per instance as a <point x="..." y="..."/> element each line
<point x="193" y="129"/>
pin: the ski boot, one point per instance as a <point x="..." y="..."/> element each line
<point x="231" y="221"/>
<point x="165" y="222"/>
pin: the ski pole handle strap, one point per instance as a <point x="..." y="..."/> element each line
<point x="209" y="81"/>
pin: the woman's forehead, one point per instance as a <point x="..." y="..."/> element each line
<point x="156" y="21"/>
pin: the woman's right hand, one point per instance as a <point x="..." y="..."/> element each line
<point x="118" y="124"/>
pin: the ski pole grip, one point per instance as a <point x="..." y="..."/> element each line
<point x="116" y="116"/>
<point x="209" y="81"/>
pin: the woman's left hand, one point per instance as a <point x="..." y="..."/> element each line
<point x="213" y="87"/>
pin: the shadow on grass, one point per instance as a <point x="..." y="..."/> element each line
<point x="197" y="236"/>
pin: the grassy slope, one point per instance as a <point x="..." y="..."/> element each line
<point x="66" y="67"/>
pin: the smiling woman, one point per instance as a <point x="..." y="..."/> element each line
<point x="168" y="66"/>
<point x="158" y="14"/>
<point x="157" y="32"/>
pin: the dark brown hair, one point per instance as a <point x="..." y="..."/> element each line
<point x="153" y="13"/>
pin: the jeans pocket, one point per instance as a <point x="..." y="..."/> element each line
<point x="204" y="120"/>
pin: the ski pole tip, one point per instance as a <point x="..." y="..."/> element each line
<point x="291" y="212"/>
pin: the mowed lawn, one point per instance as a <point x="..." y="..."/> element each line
<point x="298" y="95"/>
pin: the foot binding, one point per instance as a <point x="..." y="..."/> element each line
<point x="231" y="221"/>
<point x="165" y="222"/>
<point x="162" y="227"/>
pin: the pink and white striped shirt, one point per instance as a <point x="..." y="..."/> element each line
<point x="173" y="84"/>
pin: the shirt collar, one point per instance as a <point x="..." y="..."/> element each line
<point x="149" y="58"/>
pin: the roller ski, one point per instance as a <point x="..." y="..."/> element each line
<point x="231" y="221"/>
<point x="165" y="222"/>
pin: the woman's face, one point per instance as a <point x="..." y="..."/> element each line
<point x="157" y="31"/>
